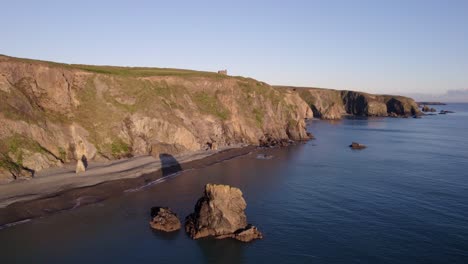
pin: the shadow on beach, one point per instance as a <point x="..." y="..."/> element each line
<point x="169" y="164"/>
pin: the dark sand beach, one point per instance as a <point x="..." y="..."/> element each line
<point x="20" y="207"/>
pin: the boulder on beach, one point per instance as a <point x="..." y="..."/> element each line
<point x="270" y="142"/>
<point x="220" y="213"/>
<point x="356" y="145"/>
<point x="164" y="219"/>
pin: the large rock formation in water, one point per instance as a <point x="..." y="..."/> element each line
<point x="333" y="104"/>
<point x="220" y="213"/>
<point x="53" y="113"/>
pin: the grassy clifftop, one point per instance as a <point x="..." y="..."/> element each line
<point x="118" y="70"/>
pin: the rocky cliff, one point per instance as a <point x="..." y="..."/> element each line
<point x="333" y="104"/>
<point x="53" y="113"/>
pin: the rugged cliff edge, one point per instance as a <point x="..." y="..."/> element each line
<point x="53" y="113"/>
<point x="333" y="104"/>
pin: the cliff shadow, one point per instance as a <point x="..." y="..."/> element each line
<point x="315" y="111"/>
<point x="169" y="164"/>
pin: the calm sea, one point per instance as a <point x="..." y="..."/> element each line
<point x="404" y="199"/>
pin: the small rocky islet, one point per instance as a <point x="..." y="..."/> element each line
<point x="356" y="145"/>
<point x="431" y="111"/>
<point x="164" y="219"/>
<point x="219" y="213"/>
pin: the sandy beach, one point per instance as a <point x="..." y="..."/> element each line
<point x="60" y="189"/>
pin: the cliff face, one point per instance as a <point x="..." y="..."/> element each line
<point x="333" y="104"/>
<point x="53" y="113"/>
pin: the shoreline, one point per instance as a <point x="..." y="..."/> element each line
<point x="86" y="189"/>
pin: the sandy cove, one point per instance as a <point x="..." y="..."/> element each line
<point x="61" y="189"/>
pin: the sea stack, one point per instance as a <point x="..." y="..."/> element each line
<point x="220" y="213"/>
<point x="164" y="219"/>
<point x="80" y="167"/>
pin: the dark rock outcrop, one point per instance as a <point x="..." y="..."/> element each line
<point x="431" y="103"/>
<point x="270" y="142"/>
<point x="356" y="145"/>
<point x="361" y="104"/>
<point x="220" y="213"/>
<point x="164" y="219"/>
<point x="333" y="104"/>
<point x="395" y="106"/>
<point x="426" y="108"/>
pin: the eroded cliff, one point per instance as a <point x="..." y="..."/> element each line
<point x="333" y="104"/>
<point x="53" y="113"/>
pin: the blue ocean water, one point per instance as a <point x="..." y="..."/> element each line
<point x="404" y="199"/>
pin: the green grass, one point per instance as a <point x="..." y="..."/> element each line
<point x="62" y="154"/>
<point x="124" y="71"/>
<point x="17" y="141"/>
<point x="7" y="164"/>
<point x="11" y="149"/>
<point x="292" y="123"/>
<point x="209" y="104"/>
<point x="259" y="116"/>
<point x="119" y="148"/>
<point x="144" y="71"/>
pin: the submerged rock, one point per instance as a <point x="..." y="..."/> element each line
<point x="220" y="214"/>
<point x="248" y="234"/>
<point x="443" y="112"/>
<point x="264" y="156"/>
<point x="356" y="145"/>
<point x="164" y="219"/>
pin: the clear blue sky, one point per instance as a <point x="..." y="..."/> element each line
<point x="376" y="46"/>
